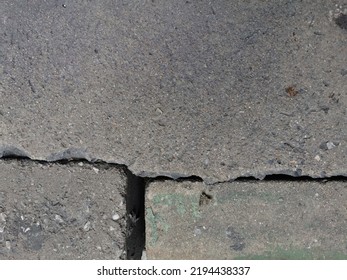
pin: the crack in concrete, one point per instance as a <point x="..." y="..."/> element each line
<point x="136" y="185"/>
<point x="81" y="154"/>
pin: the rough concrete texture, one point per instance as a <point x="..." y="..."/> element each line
<point x="54" y="211"/>
<point x="247" y="220"/>
<point x="217" y="89"/>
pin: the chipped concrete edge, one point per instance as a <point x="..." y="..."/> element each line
<point x="74" y="153"/>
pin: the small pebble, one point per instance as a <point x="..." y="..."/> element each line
<point x="8" y="245"/>
<point x="330" y="145"/>
<point x="80" y="164"/>
<point x="2" y="217"/>
<point x="59" y="219"/>
<point x="96" y="170"/>
<point x="115" y="217"/>
<point x="317" y="158"/>
<point x="86" y="226"/>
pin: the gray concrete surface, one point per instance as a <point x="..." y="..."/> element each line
<point x="217" y="89"/>
<point x="212" y="89"/>
<point x="54" y="211"/>
<point x="247" y="220"/>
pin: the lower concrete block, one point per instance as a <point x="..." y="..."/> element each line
<point x="246" y="220"/>
<point x="54" y="211"/>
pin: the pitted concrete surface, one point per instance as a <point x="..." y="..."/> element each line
<point x="54" y="211"/>
<point x="247" y="220"/>
<point x="217" y="89"/>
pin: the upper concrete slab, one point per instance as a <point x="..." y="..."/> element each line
<point x="216" y="89"/>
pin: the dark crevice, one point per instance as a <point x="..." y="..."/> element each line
<point x="135" y="200"/>
<point x="192" y="178"/>
<point x="15" y="156"/>
<point x="285" y="177"/>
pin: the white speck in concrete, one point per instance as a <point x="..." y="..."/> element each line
<point x="330" y="145"/>
<point x="317" y="158"/>
<point x="2" y="217"/>
<point x="59" y="219"/>
<point x="80" y="164"/>
<point x="144" y="255"/>
<point x="8" y="245"/>
<point x="86" y="227"/>
<point x="96" y="170"/>
<point x="115" y="217"/>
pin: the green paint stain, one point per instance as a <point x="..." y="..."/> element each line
<point x="156" y="223"/>
<point x="151" y="221"/>
<point x="180" y="203"/>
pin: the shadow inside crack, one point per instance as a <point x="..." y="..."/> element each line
<point x="135" y="201"/>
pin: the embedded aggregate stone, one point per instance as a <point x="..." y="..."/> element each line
<point x="247" y="220"/>
<point x="61" y="211"/>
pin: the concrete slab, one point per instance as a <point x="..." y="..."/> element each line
<point x="55" y="211"/>
<point x="217" y="89"/>
<point x="247" y="220"/>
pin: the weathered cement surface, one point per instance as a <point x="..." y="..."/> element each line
<point x="247" y="220"/>
<point x="55" y="211"/>
<point x="217" y="89"/>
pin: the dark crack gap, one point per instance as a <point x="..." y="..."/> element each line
<point x="285" y="177"/>
<point x="135" y="206"/>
